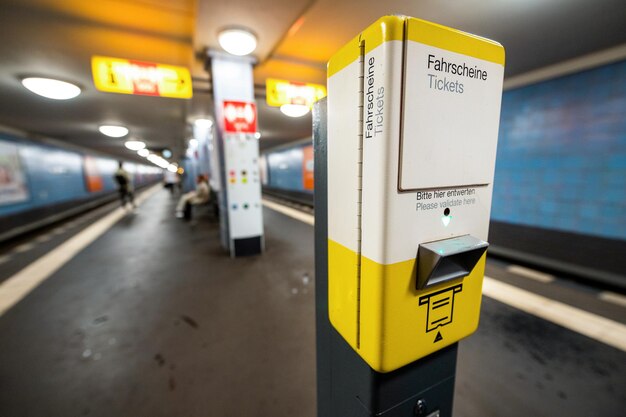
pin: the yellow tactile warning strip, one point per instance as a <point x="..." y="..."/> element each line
<point x="18" y="286"/>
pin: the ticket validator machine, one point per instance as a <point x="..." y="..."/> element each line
<point x="409" y="152"/>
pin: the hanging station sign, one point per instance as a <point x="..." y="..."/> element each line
<point x="124" y="76"/>
<point x="279" y="92"/>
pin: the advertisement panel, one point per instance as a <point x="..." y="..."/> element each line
<point x="307" y="168"/>
<point x="93" y="178"/>
<point x="13" y="187"/>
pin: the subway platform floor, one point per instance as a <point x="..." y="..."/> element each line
<point x="152" y="318"/>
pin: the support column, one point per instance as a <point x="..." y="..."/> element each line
<point x="241" y="214"/>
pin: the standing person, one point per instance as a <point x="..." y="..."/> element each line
<point x="171" y="180"/>
<point x="199" y="196"/>
<point x="124" y="186"/>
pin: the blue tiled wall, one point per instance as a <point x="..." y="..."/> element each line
<point x="285" y="168"/>
<point x="54" y="175"/>
<point x="561" y="160"/>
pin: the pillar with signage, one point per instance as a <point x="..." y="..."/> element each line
<point x="409" y="157"/>
<point x="241" y="213"/>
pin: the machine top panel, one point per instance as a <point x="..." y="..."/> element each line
<point x="451" y="105"/>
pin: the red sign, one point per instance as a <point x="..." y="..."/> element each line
<point x="145" y="78"/>
<point x="239" y="117"/>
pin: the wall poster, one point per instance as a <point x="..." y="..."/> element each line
<point x="13" y="186"/>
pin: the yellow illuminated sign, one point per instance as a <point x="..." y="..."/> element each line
<point x="125" y="76"/>
<point x="279" y="92"/>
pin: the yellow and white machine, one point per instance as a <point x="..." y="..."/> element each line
<point x="413" y="114"/>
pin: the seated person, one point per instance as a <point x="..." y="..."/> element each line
<point x="199" y="196"/>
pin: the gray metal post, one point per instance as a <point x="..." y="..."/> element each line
<point x="346" y="385"/>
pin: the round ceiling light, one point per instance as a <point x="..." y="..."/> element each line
<point x="238" y="42"/>
<point x="294" y="110"/>
<point x="50" y="88"/>
<point x="203" y="123"/>
<point x="113" y="131"/>
<point x="143" y="152"/>
<point x="135" y="145"/>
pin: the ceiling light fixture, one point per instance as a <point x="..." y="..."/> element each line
<point x="135" y="145"/>
<point x="238" y="42"/>
<point x="50" y="88"/>
<point x="172" y="168"/>
<point x="257" y="135"/>
<point x="203" y="123"/>
<point x="294" y="110"/>
<point x="113" y="131"/>
<point x="157" y="160"/>
<point x="143" y="152"/>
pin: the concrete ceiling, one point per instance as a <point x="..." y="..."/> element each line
<point x="57" y="38"/>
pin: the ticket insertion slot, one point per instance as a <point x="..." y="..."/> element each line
<point x="448" y="259"/>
